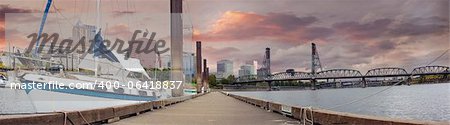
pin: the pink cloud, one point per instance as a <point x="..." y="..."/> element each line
<point x="236" y="25"/>
<point x="119" y="31"/>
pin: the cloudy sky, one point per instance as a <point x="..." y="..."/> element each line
<point x="358" y="34"/>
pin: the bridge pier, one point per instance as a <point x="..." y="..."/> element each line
<point x="364" y="82"/>
<point x="444" y="78"/>
<point x="269" y="83"/>
<point x="313" y="83"/>
<point x="408" y="81"/>
<point x="337" y="84"/>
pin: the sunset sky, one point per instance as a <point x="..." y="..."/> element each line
<point x="358" y="34"/>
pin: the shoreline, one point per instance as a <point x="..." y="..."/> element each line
<point x="295" y="88"/>
<point x="374" y="108"/>
<point x="325" y="116"/>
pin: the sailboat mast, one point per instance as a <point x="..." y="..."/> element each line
<point x="97" y="31"/>
<point x="41" y="28"/>
<point x="98" y="16"/>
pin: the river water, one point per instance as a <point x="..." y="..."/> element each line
<point x="423" y="102"/>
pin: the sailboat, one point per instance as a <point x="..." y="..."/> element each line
<point x="74" y="91"/>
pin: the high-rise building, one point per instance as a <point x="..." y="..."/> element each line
<point x="79" y="30"/>
<point x="224" y="68"/>
<point x="71" y="60"/>
<point x="264" y="71"/>
<point x="188" y="64"/>
<point x="246" y="69"/>
<point x="255" y="67"/>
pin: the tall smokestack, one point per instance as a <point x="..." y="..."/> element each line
<point x="176" y="45"/>
<point x="206" y="85"/>
<point x="198" y="64"/>
<point x="205" y="77"/>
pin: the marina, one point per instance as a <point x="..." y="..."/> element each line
<point x="213" y="62"/>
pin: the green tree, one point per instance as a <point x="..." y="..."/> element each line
<point x="224" y="81"/>
<point x="212" y="80"/>
<point x="231" y="78"/>
<point x="228" y="80"/>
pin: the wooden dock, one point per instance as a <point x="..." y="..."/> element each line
<point x="206" y="109"/>
<point x="211" y="109"/>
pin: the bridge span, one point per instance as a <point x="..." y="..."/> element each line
<point x="317" y="73"/>
<point x="384" y="72"/>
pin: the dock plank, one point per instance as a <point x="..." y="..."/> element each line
<point x="210" y="109"/>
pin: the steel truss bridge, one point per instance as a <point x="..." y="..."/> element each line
<point x="346" y="74"/>
<point x="349" y="76"/>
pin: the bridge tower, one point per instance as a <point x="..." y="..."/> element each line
<point x="315" y="64"/>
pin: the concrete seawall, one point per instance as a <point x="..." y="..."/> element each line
<point x="102" y="115"/>
<point x="328" y="117"/>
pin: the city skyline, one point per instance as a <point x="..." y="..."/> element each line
<point x="358" y="34"/>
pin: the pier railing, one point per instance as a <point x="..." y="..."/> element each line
<point x="327" y="117"/>
<point x="101" y="115"/>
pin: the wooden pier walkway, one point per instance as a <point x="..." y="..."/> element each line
<point x="211" y="109"/>
<point x="206" y="109"/>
